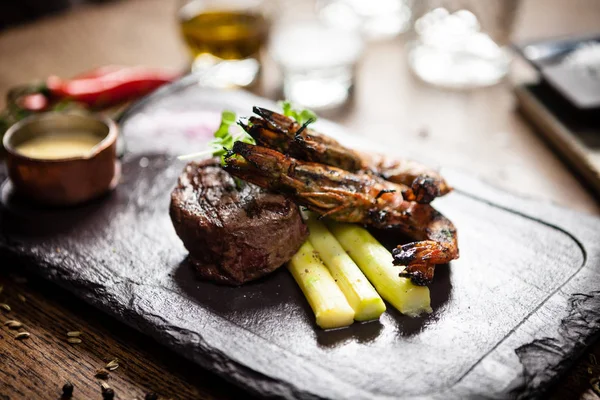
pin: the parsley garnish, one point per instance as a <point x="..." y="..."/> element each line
<point x="224" y="140"/>
<point x="301" y="116"/>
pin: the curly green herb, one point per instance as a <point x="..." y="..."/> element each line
<point x="301" y="116"/>
<point x="223" y="141"/>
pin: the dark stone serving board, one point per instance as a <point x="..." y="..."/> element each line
<point x="509" y="316"/>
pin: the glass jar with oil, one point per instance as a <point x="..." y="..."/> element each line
<point x="225" y="38"/>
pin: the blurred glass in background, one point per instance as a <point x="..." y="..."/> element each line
<point x="225" y="38"/>
<point x="317" y="62"/>
<point x="462" y="43"/>
<point x="376" y="19"/>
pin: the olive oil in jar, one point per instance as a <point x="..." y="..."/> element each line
<point x="228" y="35"/>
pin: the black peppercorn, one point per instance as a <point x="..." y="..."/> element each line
<point x="151" y="396"/>
<point x="67" y="390"/>
<point x="108" y="394"/>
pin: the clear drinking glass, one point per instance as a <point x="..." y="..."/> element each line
<point x="225" y="38"/>
<point x="462" y="43"/>
<point x="317" y="62"/>
<point x="376" y="19"/>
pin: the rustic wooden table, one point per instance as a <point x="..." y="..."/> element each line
<point x="478" y="131"/>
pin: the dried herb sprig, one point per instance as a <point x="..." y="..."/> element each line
<point x="112" y="365"/>
<point x="13" y="324"/>
<point x="22" y="335"/>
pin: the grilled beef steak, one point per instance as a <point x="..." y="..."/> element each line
<point x="234" y="235"/>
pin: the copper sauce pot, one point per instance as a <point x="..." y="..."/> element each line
<point x="65" y="181"/>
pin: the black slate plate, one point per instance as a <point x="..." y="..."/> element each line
<point x="509" y="316"/>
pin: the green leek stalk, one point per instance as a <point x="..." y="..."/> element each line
<point x="361" y="295"/>
<point x="375" y="261"/>
<point x="324" y="296"/>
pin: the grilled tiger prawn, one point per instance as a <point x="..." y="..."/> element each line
<point x="357" y="198"/>
<point x="281" y="133"/>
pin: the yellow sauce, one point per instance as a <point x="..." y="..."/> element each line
<point x="59" y="145"/>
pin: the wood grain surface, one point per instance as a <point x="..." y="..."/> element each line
<point x="38" y="367"/>
<point x="476" y="131"/>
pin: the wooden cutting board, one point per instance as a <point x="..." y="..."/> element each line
<point x="509" y="316"/>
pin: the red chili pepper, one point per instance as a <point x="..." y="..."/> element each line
<point x="109" y="85"/>
<point x="100" y="71"/>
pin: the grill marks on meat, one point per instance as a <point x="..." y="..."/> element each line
<point x="234" y="235"/>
